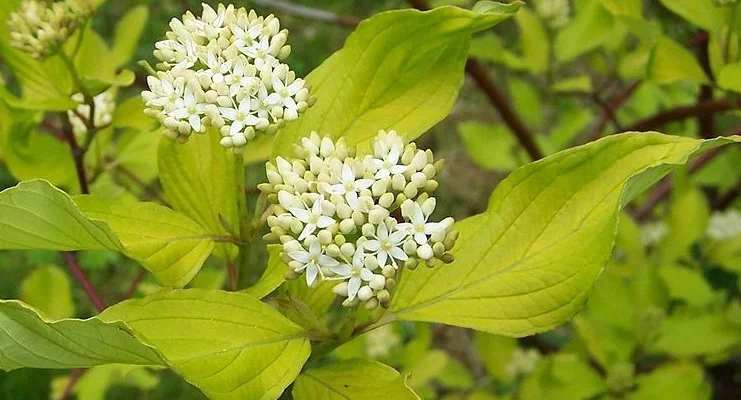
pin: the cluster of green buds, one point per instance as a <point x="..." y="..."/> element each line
<point x="357" y="220"/>
<point x="40" y="28"/>
<point x="621" y="378"/>
<point x="224" y="70"/>
<point x="523" y="362"/>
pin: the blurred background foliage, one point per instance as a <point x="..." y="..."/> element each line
<point x="664" y="320"/>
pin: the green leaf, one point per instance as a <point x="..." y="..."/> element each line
<point x="678" y="335"/>
<point x="28" y="340"/>
<point x="681" y="381"/>
<point x="702" y="13"/>
<point x="686" y="284"/>
<point x="97" y="64"/>
<point x="534" y="41"/>
<point x="356" y="379"/>
<point x="128" y="31"/>
<point x="31" y="154"/>
<point x="273" y="276"/>
<point x="48" y="289"/>
<point x="671" y="62"/>
<point x="490" y="146"/>
<point x="631" y="8"/>
<point x="426" y="368"/>
<point x="687" y="222"/>
<point x="377" y="81"/>
<point x="526" y="99"/>
<point x="488" y="47"/>
<point x="562" y="376"/>
<point x="199" y="180"/>
<point x="36" y="215"/>
<point x="730" y="77"/>
<point x="496" y="353"/>
<point x="527" y="264"/>
<point x="96" y="381"/>
<point x="230" y="345"/>
<point x="592" y="27"/>
<point x="582" y="83"/>
<point x="170" y="245"/>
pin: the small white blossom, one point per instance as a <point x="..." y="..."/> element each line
<point x="387" y="245"/>
<point x="724" y="225"/>
<point x="312" y="261"/>
<point x="224" y="70"/>
<point x="337" y="205"/>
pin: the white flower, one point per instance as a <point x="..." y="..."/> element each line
<point x="313" y="261"/>
<point x="724" y="225"/>
<point x="419" y="228"/>
<point x="355" y="273"/>
<point x="188" y="108"/>
<point x="348" y="183"/>
<point x="284" y="95"/>
<point x="231" y="59"/>
<point x="387" y="246"/>
<point x="312" y="217"/>
<point x="240" y="116"/>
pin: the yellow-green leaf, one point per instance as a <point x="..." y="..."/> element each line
<point x="356" y="379"/>
<point x="377" y="81"/>
<point x="48" y="289"/>
<point x="230" y="345"/>
<point x="29" y="340"/>
<point x="527" y="264"/>
<point x="671" y="62"/>
<point x="170" y="245"/>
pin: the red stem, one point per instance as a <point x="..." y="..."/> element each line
<point x="73" y="378"/>
<point x="74" y="266"/>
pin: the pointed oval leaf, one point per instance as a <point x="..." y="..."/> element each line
<point x="49" y="290"/>
<point x="199" y="181"/>
<point x="377" y="81"/>
<point x="28" y="340"/>
<point x="527" y="264"/>
<point x="356" y="379"/>
<point x="230" y="345"/>
<point x="37" y="215"/>
<point x="170" y="245"/>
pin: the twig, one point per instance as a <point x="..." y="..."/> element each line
<point x="680" y="113"/>
<point x="233" y="275"/>
<point x="78" y="155"/>
<point x="611" y="111"/>
<point x="308" y="12"/>
<point x="523" y="134"/>
<point x="154" y="194"/>
<point x="728" y="198"/>
<point x="71" y="259"/>
<point x="666" y="185"/>
<point x="73" y="378"/>
<point x="706" y="123"/>
<point x="134" y="284"/>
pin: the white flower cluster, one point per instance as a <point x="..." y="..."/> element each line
<point x="724" y="225"/>
<point x="555" y="12"/>
<point x="224" y="70"/>
<point x="105" y="105"/>
<point x="357" y="220"/>
<point x="40" y="28"/>
<point x="523" y="362"/>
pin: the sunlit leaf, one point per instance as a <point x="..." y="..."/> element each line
<point x="352" y="379"/>
<point x="377" y="81"/>
<point x="230" y="345"/>
<point x="527" y="264"/>
<point x="48" y="289"/>
<point x="28" y="340"/>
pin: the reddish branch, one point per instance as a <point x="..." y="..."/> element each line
<point x="666" y="185"/>
<point x="611" y="110"/>
<point x="73" y="378"/>
<point x="723" y="202"/>
<point x="680" y="113"/>
<point x="71" y="259"/>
